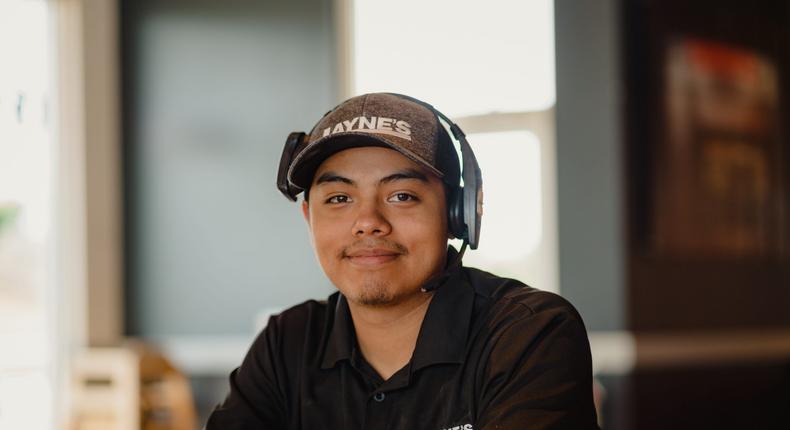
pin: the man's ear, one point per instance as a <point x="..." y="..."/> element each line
<point x="306" y="211"/>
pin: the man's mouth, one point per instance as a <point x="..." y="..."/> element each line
<point x="372" y="256"/>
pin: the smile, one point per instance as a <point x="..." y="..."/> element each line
<point x="372" y="257"/>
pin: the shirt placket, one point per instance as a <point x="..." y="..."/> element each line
<point x="378" y="411"/>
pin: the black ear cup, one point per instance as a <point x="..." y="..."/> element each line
<point x="472" y="195"/>
<point x="455" y="213"/>
<point x="289" y="151"/>
<point x="465" y="205"/>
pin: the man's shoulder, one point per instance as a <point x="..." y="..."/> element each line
<point x="512" y="315"/>
<point x="511" y="295"/>
<point x="299" y="331"/>
<point x="307" y="315"/>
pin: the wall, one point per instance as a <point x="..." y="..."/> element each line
<point x="589" y="182"/>
<point x="211" y="90"/>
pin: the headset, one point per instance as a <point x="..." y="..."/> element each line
<point x="465" y="202"/>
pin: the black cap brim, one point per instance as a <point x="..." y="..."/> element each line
<point x="307" y="162"/>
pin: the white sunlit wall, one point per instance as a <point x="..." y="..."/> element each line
<point x="26" y="353"/>
<point x="490" y="67"/>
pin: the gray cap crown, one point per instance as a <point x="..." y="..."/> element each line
<point x="377" y="119"/>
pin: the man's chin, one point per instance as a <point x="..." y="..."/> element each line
<point x="376" y="302"/>
<point x="376" y="295"/>
<point x="376" y="290"/>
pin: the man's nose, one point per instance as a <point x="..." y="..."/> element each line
<point x="371" y="221"/>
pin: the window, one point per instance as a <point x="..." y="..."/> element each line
<point x="466" y="57"/>
<point x="490" y="67"/>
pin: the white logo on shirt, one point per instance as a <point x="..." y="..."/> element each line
<point x="379" y="125"/>
<point x="461" y="427"/>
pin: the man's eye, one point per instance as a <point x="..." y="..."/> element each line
<point x="337" y="199"/>
<point x="402" y="197"/>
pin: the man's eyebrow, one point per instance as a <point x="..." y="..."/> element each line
<point x="332" y="177"/>
<point x="404" y="174"/>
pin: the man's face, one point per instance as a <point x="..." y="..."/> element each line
<point x="378" y="224"/>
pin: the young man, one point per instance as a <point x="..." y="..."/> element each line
<point x="412" y="339"/>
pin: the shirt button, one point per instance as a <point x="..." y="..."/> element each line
<point x="379" y="397"/>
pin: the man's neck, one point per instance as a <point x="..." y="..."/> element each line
<point x="387" y="336"/>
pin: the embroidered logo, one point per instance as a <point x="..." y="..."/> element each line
<point x="378" y="125"/>
<point x="461" y="427"/>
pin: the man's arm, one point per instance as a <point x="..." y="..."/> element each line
<point x="255" y="400"/>
<point x="539" y="373"/>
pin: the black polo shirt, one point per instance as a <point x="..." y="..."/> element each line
<point x="492" y="353"/>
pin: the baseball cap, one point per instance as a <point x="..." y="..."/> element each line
<point x="378" y="119"/>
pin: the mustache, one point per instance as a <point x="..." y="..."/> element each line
<point x="370" y="244"/>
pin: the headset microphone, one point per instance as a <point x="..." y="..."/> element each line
<point x="436" y="281"/>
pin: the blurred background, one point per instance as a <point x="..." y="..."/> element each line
<point x="636" y="158"/>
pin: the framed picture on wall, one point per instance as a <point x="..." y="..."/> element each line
<point x="718" y="188"/>
<point x="707" y="162"/>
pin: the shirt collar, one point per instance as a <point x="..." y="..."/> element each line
<point x="341" y="341"/>
<point x="443" y="333"/>
<point x="445" y="329"/>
